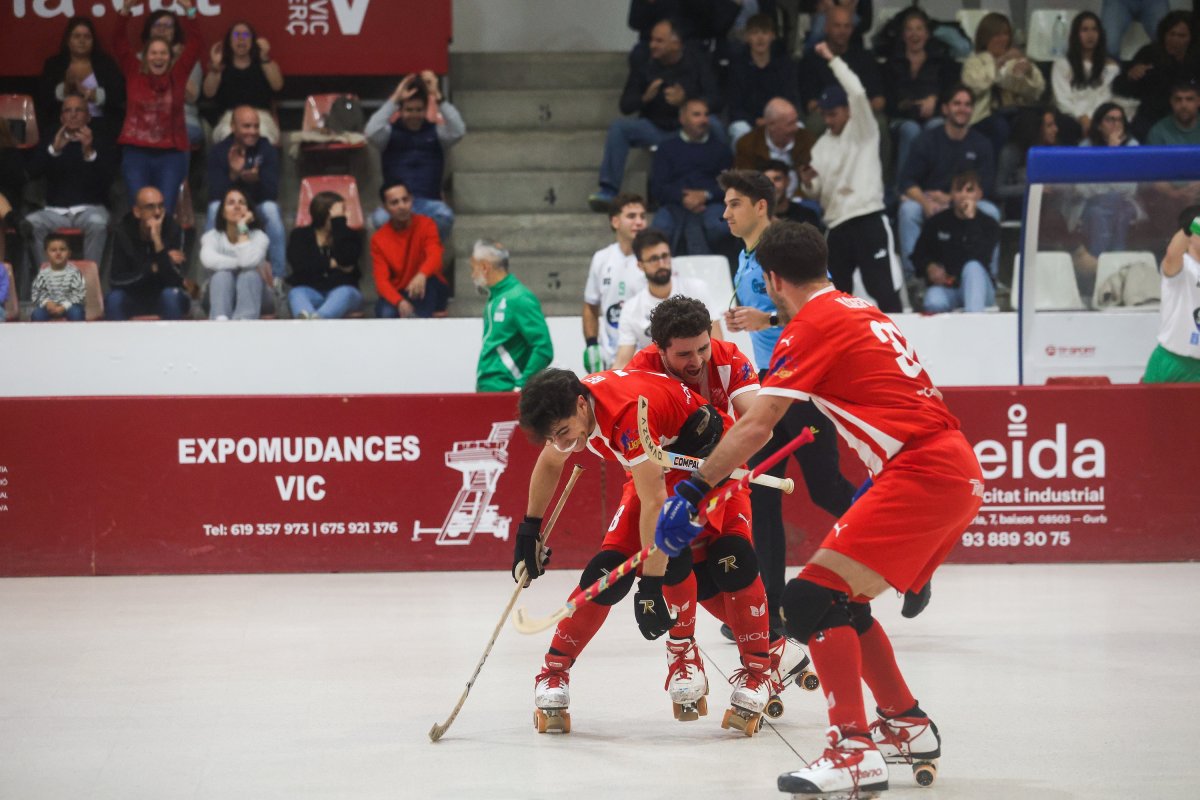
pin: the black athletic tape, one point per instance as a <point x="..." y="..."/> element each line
<point x="732" y="563"/>
<point x="809" y="609"/>
<point x="601" y="564"/>
<point x="860" y="617"/>
<point x="678" y="568"/>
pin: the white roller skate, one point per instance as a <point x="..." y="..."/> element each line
<point x="751" y="691"/>
<point x="551" y="695"/>
<point x="686" y="682"/>
<point x="851" y="767"/>
<point x="909" y="740"/>
<point x="789" y="664"/>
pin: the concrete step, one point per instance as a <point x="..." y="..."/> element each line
<point x="528" y="235"/>
<point x="506" y="151"/>
<point x="538" y="71"/>
<point x="557" y="280"/>
<point x="558" y="191"/>
<point x="538" y="109"/>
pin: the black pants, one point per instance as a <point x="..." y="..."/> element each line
<point x="865" y="243"/>
<point x="823" y="477"/>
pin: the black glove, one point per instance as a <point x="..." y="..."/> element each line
<point x="528" y="550"/>
<point x="650" y="608"/>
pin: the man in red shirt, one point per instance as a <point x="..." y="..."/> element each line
<point x="860" y="371"/>
<point x="406" y="255"/>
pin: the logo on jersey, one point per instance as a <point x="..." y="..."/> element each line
<point x="778" y="367"/>
<point x="481" y="462"/>
<point x="613" y="314"/>
<point x="747" y="372"/>
<point x="630" y="443"/>
<point x="838" y="528"/>
<point x="853" y="302"/>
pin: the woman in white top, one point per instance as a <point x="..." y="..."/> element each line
<point x="1083" y="80"/>
<point x="233" y="252"/>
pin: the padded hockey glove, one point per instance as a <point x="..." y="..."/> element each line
<point x="650" y="608"/>
<point x="592" y="360"/>
<point x="677" y="525"/>
<point x="528" y="550"/>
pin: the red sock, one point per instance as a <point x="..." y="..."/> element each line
<point x="574" y="632"/>
<point x="838" y="660"/>
<point x="716" y="606"/>
<point x="746" y="610"/>
<point x="881" y="673"/>
<point x="682" y="599"/>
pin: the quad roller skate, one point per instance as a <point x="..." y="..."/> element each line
<point x="789" y="664"/>
<point x="751" y="692"/>
<point x="912" y="740"/>
<point x="686" y="682"/>
<point x="551" y="696"/>
<point x="850" y="767"/>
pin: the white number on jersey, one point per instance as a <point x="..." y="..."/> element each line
<point x="887" y="332"/>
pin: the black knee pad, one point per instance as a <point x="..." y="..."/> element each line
<point x="602" y="563"/>
<point x="732" y="563"/>
<point x="706" y="587"/>
<point x="678" y="568"/>
<point x="808" y="608"/>
<point x="860" y="617"/>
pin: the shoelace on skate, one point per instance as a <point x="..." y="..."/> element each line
<point x="683" y="664"/>
<point x="749" y="678"/>
<point x="896" y="737"/>
<point x="553" y="678"/>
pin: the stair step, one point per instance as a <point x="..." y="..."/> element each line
<point x="557" y="191"/>
<point x="538" y="70"/>
<point x="538" y="109"/>
<point x="533" y="234"/>
<point x="557" y="280"/>
<point x="506" y="151"/>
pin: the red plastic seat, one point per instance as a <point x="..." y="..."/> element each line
<point x="20" y="107"/>
<point x="316" y="107"/>
<point x="345" y="185"/>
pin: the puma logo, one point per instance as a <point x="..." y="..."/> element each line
<point x="838" y="528"/>
<point x="728" y="562"/>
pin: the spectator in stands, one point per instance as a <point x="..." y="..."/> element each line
<point x="324" y="257"/>
<point x="1001" y="78"/>
<point x="696" y="20"/>
<point x="154" y="133"/>
<point x="955" y="251"/>
<point x="937" y="156"/>
<point x="757" y="74"/>
<point x="787" y="206"/>
<point x="1083" y="80"/>
<point x="516" y="339"/>
<point x="653" y="251"/>
<point x="1117" y="14"/>
<point x="846" y="176"/>
<point x="12" y="181"/>
<point x="914" y="77"/>
<point x="79" y="170"/>
<point x="246" y="159"/>
<point x="780" y="136"/>
<point x="163" y="25"/>
<point x="147" y="263"/>
<point x="58" y="292"/>
<point x="683" y="181"/>
<point x="659" y="82"/>
<point x="406" y="258"/>
<point x="612" y="278"/>
<point x="82" y="67"/>
<point x="1031" y="128"/>
<point x="1180" y="126"/>
<point x="819" y="14"/>
<point x="413" y="147"/>
<point x="1157" y="67"/>
<point x="240" y="73"/>
<point x="234" y="252"/>
<point x="815" y="74"/>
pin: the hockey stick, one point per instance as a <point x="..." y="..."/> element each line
<point x="691" y="463"/>
<point x="437" y="731"/>
<point x="526" y="625"/>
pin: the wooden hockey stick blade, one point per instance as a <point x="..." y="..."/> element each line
<point x="525" y="624"/>
<point x="671" y="460"/>
<point x="439" y="730"/>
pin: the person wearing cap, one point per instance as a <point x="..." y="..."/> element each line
<point x="1176" y="359"/>
<point x="845" y="174"/>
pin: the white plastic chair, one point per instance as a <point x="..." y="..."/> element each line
<point x="1054" y="285"/>
<point x="1042" y="43"/>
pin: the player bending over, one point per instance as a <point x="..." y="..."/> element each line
<point x="856" y="366"/>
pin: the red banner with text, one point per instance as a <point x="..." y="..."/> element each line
<point x="417" y="482"/>
<point x="308" y="37"/>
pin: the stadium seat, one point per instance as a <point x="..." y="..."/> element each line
<point x="1111" y="263"/>
<point x="316" y="107"/>
<point x="93" y="297"/>
<point x="345" y="185"/>
<point x="19" y="109"/>
<point x="1054" y="287"/>
<point x="12" y="306"/>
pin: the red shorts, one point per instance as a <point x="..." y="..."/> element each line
<point x="911" y="518"/>
<point x="624" y="534"/>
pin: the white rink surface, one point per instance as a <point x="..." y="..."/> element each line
<point x="1047" y="682"/>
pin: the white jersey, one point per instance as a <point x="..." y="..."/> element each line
<point x="1179" y="325"/>
<point x="612" y="279"/>
<point x="634" y="326"/>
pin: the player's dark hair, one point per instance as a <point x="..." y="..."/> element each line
<point x="649" y="237"/>
<point x="624" y="199"/>
<point x="795" y="251"/>
<point x="953" y="90"/>
<point x="748" y="183"/>
<point x="55" y="237"/>
<point x="678" y="318"/>
<point x="964" y="178"/>
<point x="548" y="398"/>
<point x="388" y="186"/>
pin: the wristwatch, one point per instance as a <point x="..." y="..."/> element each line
<point x="773" y="320"/>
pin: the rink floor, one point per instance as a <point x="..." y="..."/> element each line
<point x="1047" y="682"/>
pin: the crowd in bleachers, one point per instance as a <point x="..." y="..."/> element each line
<point x="955" y="106"/>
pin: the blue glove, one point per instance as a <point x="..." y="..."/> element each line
<point x="677" y="525"/>
<point x="860" y="491"/>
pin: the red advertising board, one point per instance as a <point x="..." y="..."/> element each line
<point x="417" y="482"/>
<point x="308" y="37"/>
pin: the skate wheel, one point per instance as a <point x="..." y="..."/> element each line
<point x="810" y="681"/>
<point x="566" y="722"/>
<point x="775" y="708"/>
<point x="702" y="705"/>
<point x="539" y="720"/>
<point x="727" y="720"/>
<point x="925" y="772"/>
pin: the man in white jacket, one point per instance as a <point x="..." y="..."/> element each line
<point x="847" y="177"/>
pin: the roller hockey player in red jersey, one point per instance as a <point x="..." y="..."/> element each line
<point x="682" y="348"/>
<point x="600" y="413"/>
<point x="856" y="366"/>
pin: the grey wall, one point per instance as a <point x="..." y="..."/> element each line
<point x="499" y="26"/>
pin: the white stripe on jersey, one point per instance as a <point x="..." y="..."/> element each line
<point x="596" y="434"/>
<point x="869" y="451"/>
